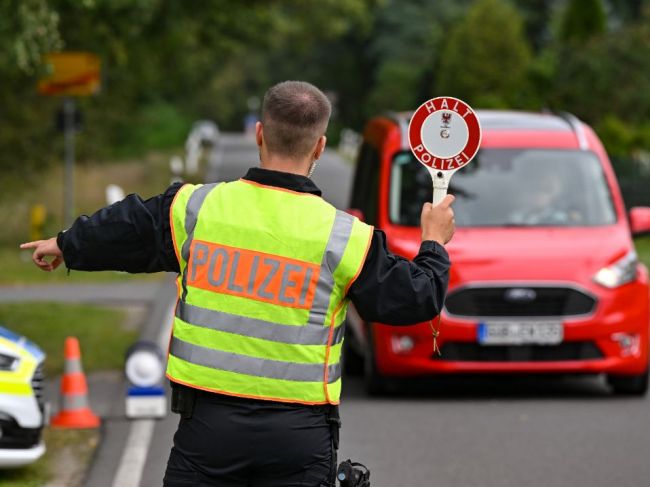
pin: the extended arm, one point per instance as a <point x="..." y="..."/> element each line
<point x="393" y="290"/>
<point x="396" y="291"/>
<point x="131" y="235"/>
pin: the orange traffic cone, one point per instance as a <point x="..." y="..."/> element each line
<point x="75" y="411"/>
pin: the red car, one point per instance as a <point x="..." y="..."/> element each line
<point x="544" y="275"/>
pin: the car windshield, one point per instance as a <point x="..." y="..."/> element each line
<point x="522" y="187"/>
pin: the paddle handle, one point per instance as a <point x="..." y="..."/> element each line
<point x="438" y="195"/>
<point x="440" y="185"/>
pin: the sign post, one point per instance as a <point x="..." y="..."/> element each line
<point x="444" y="135"/>
<point x="71" y="74"/>
<point x="68" y="160"/>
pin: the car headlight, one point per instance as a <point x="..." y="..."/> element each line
<point x="620" y="272"/>
<point x="8" y="362"/>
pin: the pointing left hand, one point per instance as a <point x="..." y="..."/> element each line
<point x="43" y="249"/>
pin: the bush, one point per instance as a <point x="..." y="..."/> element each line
<point x="487" y="57"/>
<point x="157" y="126"/>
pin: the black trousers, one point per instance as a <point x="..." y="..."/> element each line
<point x="234" y="442"/>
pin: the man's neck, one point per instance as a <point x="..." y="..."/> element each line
<point x="285" y="165"/>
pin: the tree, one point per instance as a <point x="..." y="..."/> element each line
<point x="582" y="20"/>
<point x="27" y="31"/>
<point x="537" y="16"/>
<point x="607" y="76"/>
<point x="486" y="57"/>
<point x="406" y="48"/>
<point x="164" y="63"/>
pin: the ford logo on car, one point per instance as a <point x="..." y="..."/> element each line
<point x="520" y="295"/>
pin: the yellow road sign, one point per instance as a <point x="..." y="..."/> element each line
<point x="71" y="74"/>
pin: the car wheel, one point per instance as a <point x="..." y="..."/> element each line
<point x="375" y="382"/>
<point x="630" y="385"/>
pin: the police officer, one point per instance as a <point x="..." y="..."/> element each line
<point x="266" y="269"/>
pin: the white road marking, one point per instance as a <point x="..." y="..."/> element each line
<point x="134" y="456"/>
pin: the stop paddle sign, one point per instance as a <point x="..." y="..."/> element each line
<point x="444" y="135"/>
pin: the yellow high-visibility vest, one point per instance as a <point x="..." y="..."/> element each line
<point x="264" y="274"/>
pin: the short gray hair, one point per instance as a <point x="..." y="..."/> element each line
<point x="295" y="115"/>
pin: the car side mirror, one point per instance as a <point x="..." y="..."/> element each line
<point x="640" y="220"/>
<point x="356" y="212"/>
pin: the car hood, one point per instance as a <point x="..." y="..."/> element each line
<point x="18" y="346"/>
<point x="525" y="254"/>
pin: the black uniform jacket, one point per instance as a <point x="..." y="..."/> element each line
<point x="134" y="235"/>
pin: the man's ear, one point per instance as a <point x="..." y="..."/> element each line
<point x="259" y="133"/>
<point x="320" y="147"/>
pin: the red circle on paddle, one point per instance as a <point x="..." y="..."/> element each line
<point x="444" y="133"/>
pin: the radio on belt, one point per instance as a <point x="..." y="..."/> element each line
<point x="144" y="368"/>
<point x="444" y="135"/>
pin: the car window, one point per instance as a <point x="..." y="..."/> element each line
<point x="365" y="192"/>
<point x="522" y="187"/>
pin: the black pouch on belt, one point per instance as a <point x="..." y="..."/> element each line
<point x="183" y="399"/>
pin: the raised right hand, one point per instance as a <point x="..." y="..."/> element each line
<point x="438" y="221"/>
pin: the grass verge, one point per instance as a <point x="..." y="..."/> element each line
<point x="102" y="332"/>
<point x="104" y="335"/>
<point x="147" y="177"/>
<point x="642" y="245"/>
<point x="68" y="454"/>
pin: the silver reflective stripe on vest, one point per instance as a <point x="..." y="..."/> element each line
<point x="194" y="205"/>
<point x="336" y="244"/>
<point x="244" y="364"/>
<point x="251" y="327"/>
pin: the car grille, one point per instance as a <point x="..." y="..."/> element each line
<point x="38" y="384"/>
<point x="15" y="437"/>
<point x="519" y="301"/>
<point x="473" y="352"/>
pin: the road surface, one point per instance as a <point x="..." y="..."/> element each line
<point x="485" y="432"/>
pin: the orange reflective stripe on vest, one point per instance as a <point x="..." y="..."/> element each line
<point x="251" y="274"/>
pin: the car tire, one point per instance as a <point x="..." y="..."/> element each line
<point x="374" y="381"/>
<point x="629" y="385"/>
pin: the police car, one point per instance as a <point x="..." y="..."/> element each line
<point x="23" y="411"/>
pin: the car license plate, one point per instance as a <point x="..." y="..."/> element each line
<point x="520" y="333"/>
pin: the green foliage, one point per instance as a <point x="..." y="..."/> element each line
<point x="28" y="30"/>
<point x="582" y="20"/>
<point x="393" y="74"/>
<point x="68" y="452"/>
<point x="609" y="75"/>
<point x="157" y="126"/>
<point x="626" y="11"/>
<point x="167" y="63"/>
<point x="486" y="57"/>
<point x="623" y="137"/>
<point x="642" y="245"/>
<point x="405" y="49"/>
<point x="541" y="75"/>
<point x="537" y="16"/>
<point x="634" y="179"/>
